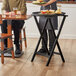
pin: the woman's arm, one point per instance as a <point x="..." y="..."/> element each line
<point x="49" y="2"/>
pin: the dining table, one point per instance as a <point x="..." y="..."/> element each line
<point x="9" y="19"/>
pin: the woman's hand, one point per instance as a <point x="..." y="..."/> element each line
<point x="43" y="4"/>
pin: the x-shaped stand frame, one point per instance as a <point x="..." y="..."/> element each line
<point x="56" y="38"/>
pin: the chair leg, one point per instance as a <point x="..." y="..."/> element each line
<point x="10" y="45"/>
<point x="12" y="51"/>
<point x="2" y="49"/>
<point x="25" y="38"/>
<point x="20" y="41"/>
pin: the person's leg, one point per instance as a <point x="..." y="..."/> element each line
<point x="16" y="41"/>
<point x="43" y="48"/>
<point x="4" y="30"/>
<point x="45" y="38"/>
<point x="51" y="39"/>
<point x="16" y="36"/>
<point x="41" y="25"/>
<point x="17" y="26"/>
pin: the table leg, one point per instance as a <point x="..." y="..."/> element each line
<point x="20" y="34"/>
<point x="36" y="49"/>
<point x="56" y="41"/>
<point x="25" y="41"/>
<point x="41" y="33"/>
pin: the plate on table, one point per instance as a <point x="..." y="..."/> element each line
<point x="38" y="3"/>
<point x="47" y="12"/>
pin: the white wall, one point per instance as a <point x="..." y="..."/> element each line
<point x="69" y="29"/>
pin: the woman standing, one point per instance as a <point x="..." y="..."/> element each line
<point x="50" y="5"/>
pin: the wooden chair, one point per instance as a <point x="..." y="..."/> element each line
<point x="4" y="36"/>
<point x="23" y="37"/>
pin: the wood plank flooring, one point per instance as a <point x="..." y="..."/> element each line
<point x="24" y="67"/>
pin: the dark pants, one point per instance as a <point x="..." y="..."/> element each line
<point x="48" y="34"/>
<point x="16" y="26"/>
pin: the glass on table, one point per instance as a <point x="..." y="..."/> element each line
<point x="15" y="9"/>
<point x="18" y="14"/>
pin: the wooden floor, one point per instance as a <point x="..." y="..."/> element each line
<point x="24" y="67"/>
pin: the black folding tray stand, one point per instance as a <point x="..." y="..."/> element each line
<point x="37" y="14"/>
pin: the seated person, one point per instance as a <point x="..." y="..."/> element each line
<point x="8" y="6"/>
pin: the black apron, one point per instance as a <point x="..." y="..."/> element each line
<point x="53" y="19"/>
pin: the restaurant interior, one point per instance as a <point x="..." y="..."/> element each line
<point x="60" y="61"/>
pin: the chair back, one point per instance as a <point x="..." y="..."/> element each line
<point x="0" y="19"/>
